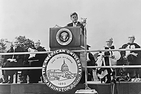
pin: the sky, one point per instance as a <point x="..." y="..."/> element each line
<point x="106" y="19"/>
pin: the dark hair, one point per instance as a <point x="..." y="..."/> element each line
<point x="74" y="13"/>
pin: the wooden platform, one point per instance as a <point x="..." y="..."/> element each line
<point x="41" y="88"/>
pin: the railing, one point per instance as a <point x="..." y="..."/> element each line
<point x="32" y="68"/>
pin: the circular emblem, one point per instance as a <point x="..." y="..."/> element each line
<point x="62" y="70"/>
<point x="64" y="36"/>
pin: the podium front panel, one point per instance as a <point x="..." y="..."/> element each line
<point x="66" y="37"/>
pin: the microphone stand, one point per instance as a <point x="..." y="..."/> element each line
<point x="85" y="47"/>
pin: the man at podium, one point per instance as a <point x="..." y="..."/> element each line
<point x="75" y="22"/>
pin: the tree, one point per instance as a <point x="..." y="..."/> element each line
<point x="25" y="42"/>
<point x="2" y="50"/>
<point x="3" y="44"/>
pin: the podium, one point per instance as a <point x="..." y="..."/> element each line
<point x="70" y="38"/>
<point x="66" y="38"/>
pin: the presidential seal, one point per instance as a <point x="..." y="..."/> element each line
<point x="62" y="70"/>
<point x="64" y="36"/>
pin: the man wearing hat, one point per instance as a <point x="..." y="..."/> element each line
<point x="75" y="22"/>
<point x="132" y="57"/>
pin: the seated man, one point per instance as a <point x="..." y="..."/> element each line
<point x="36" y="61"/>
<point x="13" y="61"/>
<point x="1" y="63"/>
<point x="130" y="57"/>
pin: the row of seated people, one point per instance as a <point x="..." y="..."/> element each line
<point x="108" y="58"/>
<point x="126" y="58"/>
<point x="23" y="60"/>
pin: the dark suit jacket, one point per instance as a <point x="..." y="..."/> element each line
<point x="39" y="57"/>
<point x="78" y="24"/>
<point x="19" y="58"/>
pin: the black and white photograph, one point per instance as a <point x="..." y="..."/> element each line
<point x="70" y="47"/>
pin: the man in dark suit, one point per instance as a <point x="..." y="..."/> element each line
<point x="75" y="22"/>
<point x="38" y="59"/>
<point x="13" y="61"/>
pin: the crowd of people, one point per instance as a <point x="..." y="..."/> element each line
<point x="23" y="60"/>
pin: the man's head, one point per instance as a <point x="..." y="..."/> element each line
<point x="15" y="43"/>
<point x="109" y="42"/>
<point x="74" y="17"/>
<point x="37" y="44"/>
<point x="131" y="39"/>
